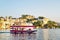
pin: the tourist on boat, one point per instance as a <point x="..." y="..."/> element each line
<point x="29" y="32"/>
<point x="22" y="30"/>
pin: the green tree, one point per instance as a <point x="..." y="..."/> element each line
<point x="52" y="24"/>
<point x="24" y="16"/>
<point x="29" y="20"/>
<point x="38" y="23"/>
<point x="40" y="17"/>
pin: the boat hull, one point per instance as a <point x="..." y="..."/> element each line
<point x="21" y="32"/>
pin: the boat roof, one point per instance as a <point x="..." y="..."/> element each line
<point x="22" y="26"/>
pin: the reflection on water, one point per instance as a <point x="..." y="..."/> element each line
<point x="41" y="34"/>
<point x="45" y="34"/>
<point x="7" y="36"/>
<point x="54" y="34"/>
<point x="23" y="37"/>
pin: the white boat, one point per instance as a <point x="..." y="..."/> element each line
<point x="22" y="29"/>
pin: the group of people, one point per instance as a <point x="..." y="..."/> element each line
<point x="28" y="31"/>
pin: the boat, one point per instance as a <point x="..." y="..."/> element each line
<point x="22" y="29"/>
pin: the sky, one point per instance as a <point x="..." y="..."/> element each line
<point x="16" y="8"/>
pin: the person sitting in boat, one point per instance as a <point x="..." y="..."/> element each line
<point x="29" y="31"/>
<point x="22" y="30"/>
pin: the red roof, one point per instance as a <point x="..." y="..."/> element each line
<point x="22" y="26"/>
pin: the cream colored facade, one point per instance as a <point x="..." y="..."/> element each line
<point x="34" y="21"/>
<point x="6" y="22"/>
<point x="22" y="20"/>
<point x="30" y="17"/>
<point x="45" y="20"/>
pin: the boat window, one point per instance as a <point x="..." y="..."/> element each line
<point x="19" y="28"/>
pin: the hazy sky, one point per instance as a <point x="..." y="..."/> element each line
<point x="46" y="8"/>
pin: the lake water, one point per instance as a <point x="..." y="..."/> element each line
<point x="41" y="34"/>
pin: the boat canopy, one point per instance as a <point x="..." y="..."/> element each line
<point x="22" y="26"/>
